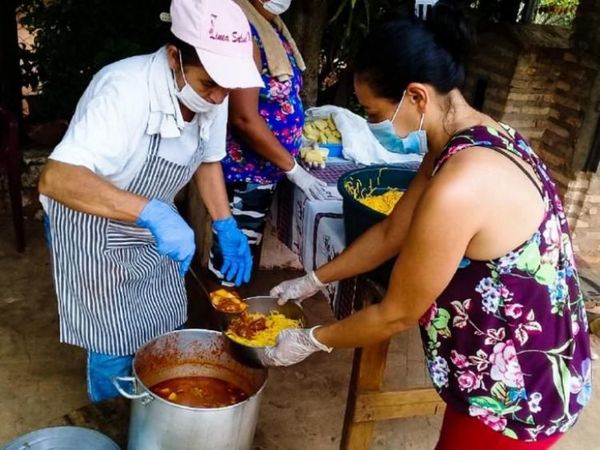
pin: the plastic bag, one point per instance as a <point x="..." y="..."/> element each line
<point x="359" y="143"/>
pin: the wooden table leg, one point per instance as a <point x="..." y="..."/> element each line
<point x="368" y="368"/>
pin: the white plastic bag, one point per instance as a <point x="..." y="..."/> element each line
<point x="359" y="143"/>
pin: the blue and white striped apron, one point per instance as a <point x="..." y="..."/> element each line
<point x="115" y="292"/>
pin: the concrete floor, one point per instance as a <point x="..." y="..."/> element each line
<point x="41" y="380"/>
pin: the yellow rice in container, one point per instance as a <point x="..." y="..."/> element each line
<point x="275" y="324"/>
<point x="383" y="203"/>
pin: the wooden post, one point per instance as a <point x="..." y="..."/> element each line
<point x="10" y="79"/>
<point x="368" y="369"/>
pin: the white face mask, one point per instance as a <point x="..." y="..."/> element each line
<point x="190" y="98"/>
<point x="277" y="7"/>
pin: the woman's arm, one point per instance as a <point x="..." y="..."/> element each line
<point x="210" y="183"/>
<point x="82" y="190"/>
<point x="249" y="126"/>
<point x="445" y="221"/>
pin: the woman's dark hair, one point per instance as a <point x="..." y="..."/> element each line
<point x="189" y="56"/>
<point x="403" y="51"/>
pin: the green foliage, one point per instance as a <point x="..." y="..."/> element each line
<point x="557" y="12"/>
<point x="74" y="39"/>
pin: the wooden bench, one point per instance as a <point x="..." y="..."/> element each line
<point x="368" y="402"/>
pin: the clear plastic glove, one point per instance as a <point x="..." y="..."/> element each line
<point x="314" y="188"/>
<point x="174" y="238"/>
<point x="237" y="258"/>
<point x="293" y="346"/>
<point x="298" y="288"/>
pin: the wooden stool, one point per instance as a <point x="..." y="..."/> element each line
<point x="367" y="402"/>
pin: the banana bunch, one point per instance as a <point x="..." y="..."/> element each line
<point x="322" y="131"/>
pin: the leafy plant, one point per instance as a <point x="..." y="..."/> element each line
<point x="557" y="12"/>
<point x="74" y="39"/>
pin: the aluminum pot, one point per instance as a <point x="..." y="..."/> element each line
<point x="157" y="424"/>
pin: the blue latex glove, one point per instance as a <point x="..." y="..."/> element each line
<point x="237" y="258"/>
<point x="174" y="238"/>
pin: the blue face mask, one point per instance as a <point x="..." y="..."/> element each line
<point x="414" y="143"/>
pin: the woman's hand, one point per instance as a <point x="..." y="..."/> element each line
<point x="237" y="258"/>
<point x="298" y="288"/>
<point x="293" y="346"/>
<point x="314" y="188"/>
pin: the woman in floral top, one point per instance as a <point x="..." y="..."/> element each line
<point x="265" y="129"/>
<point x="485" y="262"/>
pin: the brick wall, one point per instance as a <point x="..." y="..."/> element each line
<point x="569" y="105"/>
<point x="582" y="205"/>
<point x="549" y="90"/>
<point x="495" y="64"/>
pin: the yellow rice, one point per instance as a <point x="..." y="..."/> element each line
<point x="276" y="323"/>
<point x="383" y="203"/>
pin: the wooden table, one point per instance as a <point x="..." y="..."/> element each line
<point x="367" y="401"/>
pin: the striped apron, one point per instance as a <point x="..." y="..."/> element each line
<point x="115" y="292"/>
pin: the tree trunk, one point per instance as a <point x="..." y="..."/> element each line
<point x="509" y="10"/>
<point x="10" y="85"/>
<point x="530" y="11"/>
<point x="307" y="20"/>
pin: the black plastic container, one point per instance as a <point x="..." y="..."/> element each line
<point x="358" y="218"/>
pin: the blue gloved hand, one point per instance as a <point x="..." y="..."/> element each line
<point x="174" y="238"/>
<point x="237" y="258"/>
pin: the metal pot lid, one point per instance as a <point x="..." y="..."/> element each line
<point x="62" y="438"/>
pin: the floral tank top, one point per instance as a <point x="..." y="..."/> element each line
<point x="506" y="342"/>
<point x="280" y="105"/>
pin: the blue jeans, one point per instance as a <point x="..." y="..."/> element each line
<point x="47" y="235"/>
<point x="101" y="369"/>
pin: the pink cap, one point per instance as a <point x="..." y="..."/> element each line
<point x="220" y="33"/>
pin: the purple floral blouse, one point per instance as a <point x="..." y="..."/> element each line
<point x="280" y="106"/>
<point x="506" y="342"/>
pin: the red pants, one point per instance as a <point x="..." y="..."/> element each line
<point x="462" y="432"/>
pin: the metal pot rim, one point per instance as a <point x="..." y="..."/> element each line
<point x="191" y="408"/>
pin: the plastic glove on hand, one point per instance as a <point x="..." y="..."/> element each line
<point x="314" y="188"/>
<point x="298" y="288"/>
<point x="293" y="346"/>
<point x="237" y="258"/>
<point x="174" y="238"/>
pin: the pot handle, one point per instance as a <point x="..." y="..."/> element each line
<point x="144" y="397"/>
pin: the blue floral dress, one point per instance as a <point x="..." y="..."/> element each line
<point x="506" y="342"/>
<point x="281" y="106"/>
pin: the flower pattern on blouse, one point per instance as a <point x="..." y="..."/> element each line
<point x="280" y="105"/>
<point x="506" y="342"/>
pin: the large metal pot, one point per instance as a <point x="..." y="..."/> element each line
<point x="157" y="424"/>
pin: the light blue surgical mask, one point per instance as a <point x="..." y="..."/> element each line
<point x="414" y="142"/>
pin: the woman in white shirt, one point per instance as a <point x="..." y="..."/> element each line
<point x="143" y="128"/>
